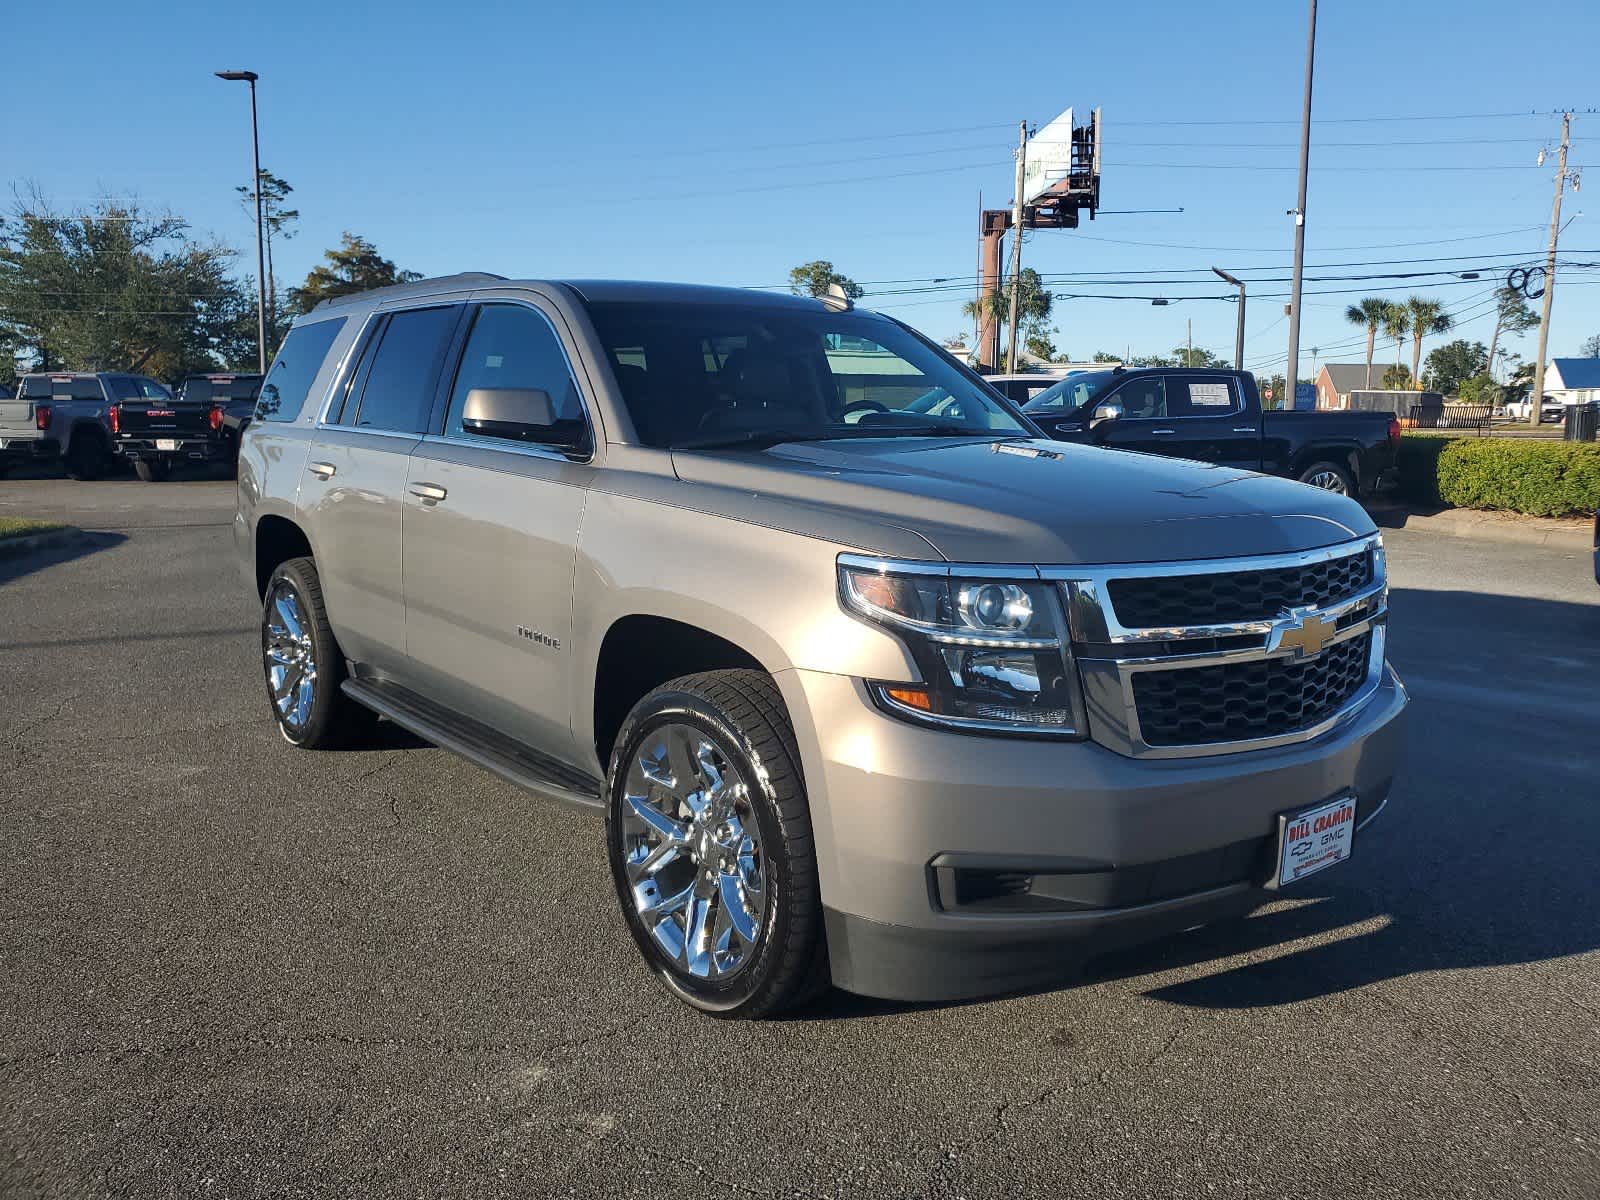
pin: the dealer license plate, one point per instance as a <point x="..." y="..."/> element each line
<point x="166" y="443"/>
<point x="1315" y="838"/>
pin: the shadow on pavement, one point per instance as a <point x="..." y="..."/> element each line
<point x="80" y="547"/>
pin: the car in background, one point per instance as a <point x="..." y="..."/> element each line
<point x="1553" y="412"/>
<point x="1215" y="416"/>
<point x="64" y="416"/>
<point x="1019" y="389"/>
<point x="234" y="392"/>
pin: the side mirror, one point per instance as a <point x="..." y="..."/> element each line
<point x="521" y="415"/>
<point x="1106" y="412"/>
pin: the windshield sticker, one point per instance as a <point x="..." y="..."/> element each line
<point x="1210" y="395"/>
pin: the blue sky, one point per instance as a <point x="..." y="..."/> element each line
<point x="726" y="143"/>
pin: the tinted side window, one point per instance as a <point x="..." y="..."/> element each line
<point x="1143" y="398"/>
<point x="1191" y="397"/>
<point x="123" y="388"/>
<point x="512" y="346"/>
<point x="399" y="388"/>
<point x="283" y="394"/>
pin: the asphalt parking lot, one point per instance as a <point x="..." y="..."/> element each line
<point x="231" y="968"/>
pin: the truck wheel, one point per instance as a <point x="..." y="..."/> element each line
<point x="86" y="458"/>
<point x="151" y="470"/>
<point x="303" y="664"/>
<point x="1330" y="477"/>
<point x="709" y="836"/>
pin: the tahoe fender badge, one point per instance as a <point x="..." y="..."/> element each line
<point x="533" y="635"/>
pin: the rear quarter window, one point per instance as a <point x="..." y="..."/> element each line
<point x="283" y="394"/>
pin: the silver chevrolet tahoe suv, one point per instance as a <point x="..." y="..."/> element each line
<point x="874" y="685"/>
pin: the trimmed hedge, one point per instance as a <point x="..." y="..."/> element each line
<point x="1541" y="478"/>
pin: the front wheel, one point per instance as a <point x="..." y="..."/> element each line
<point x="1330" y="477"/>
<point x="709" y="837"/>
<point x="303" y="664"/>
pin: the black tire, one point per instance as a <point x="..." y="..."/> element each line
<point x="152" y="470"/>
<point x="331" y="719"/>
<point x="743" y="712"/>
<point x="87" y="457"/>
<point x="1318" y="473"/>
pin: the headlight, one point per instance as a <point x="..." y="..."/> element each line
<point x="992" y="652"/>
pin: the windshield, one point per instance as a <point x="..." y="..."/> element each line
<point x="707" y="374"/>
<point x="1073" y="392"/>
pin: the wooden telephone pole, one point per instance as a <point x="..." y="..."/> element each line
<point x="1536" y="398"/>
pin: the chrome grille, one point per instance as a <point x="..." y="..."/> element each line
<point x="1198" y="658"/>
<point x="1209" y="599"/>
<point x="1237" y="701"/>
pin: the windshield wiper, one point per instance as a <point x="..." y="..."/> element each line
<point x="758" y="439"/>
<point x="755" y="439"/>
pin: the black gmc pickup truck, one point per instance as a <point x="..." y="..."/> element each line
<point x="156" y="435"/>
<point x="234" y="392"/>
<point x="1216" y="416"/>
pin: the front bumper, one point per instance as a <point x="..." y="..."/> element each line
<point x="1123" y="849"/>
<point x="193" y="449"/>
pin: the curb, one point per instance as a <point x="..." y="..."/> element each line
<point x="17" y="547"/>
<point x="1490" y="526"/>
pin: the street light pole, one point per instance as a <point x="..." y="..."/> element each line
<point x="1238" y="336"/>
<point x="1293" y="369"/>
<point x="250" y="77"/>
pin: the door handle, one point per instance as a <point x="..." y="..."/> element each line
<point x="1163" y="432"/>
<point x="1244" y="428"/>
<point x="428" y="493"/>
<point x="323" y="470"/>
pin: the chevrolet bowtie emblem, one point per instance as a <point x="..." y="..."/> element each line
<point x="1301" y="632"/>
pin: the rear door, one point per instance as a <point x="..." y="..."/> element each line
<point x="1210" y="422"/>
<point x="355" y="478"/>
<point x="490" y="537"/>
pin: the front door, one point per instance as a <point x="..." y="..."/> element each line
<point x="491" y="533"/>
<point x="355" y="478"/>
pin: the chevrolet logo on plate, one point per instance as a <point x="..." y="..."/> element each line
<point x="1301" y="633"/>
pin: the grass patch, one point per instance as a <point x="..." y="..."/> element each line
<point x="15" y="527"/>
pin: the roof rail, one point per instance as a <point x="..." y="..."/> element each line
<point x="464" y="279"/>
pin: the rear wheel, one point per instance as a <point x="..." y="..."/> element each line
<point x="709" y="836"/>
<point x="303" y="664"/>
<point x="87" y="457"/>
<point x="1330" y="477"/>
<point x="151" y="470"/>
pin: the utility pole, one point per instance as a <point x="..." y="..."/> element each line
<point x="1238" y="335"/>
<point x="1536" y="398"/>
<point x="1292" y="374"/>
<point x="1016" y="248"/>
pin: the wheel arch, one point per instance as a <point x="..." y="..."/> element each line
<point x="277" y="539"/>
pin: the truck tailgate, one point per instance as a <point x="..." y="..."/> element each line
<point x="157" y="419"/>
<point x="16" y="419"/>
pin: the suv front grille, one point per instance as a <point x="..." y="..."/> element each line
<point x="1160" y="601"/>
<point x="1241" y="701"/>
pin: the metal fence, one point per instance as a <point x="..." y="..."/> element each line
<point x="1451" y="416"/>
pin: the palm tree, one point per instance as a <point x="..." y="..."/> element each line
<point x="1368" y="313"/>
<point x="1427" y="316"/>
<point x="1396" y="324"/>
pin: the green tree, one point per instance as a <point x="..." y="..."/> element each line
<point x="1034" y="304"/>
<point x="1106" y="356"/>
<point x="1590" y="348"/>
<point x="1183" y="356"/>
<point x="1451" y="365"/>
<point x="1396" y="324"/>
<point x="1396" y="379"/>
<point x="1512" y="315"/>
<point x="1039" y="340"/>
<point x="1368" y="313"/>
<point x="353" y="266"/>
<point x="117" y="288"/>
<point x="277" y="224"/>
<point x="814" y="279"/>
<point x="1427" y="316"/>
<point x="1480" y="389"/>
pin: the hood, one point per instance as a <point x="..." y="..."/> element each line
<point x="1037" y="501"/>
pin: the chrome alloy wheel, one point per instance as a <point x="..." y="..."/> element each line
<point x="691" y="846"/>
<point x="290" y="656"/>
<point x="1328" y="481"/>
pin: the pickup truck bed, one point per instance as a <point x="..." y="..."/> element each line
<point x="1216" y="416"/>
<point x="24" y="433"/>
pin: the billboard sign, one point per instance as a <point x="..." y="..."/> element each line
<point x="1049" y="158"/>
